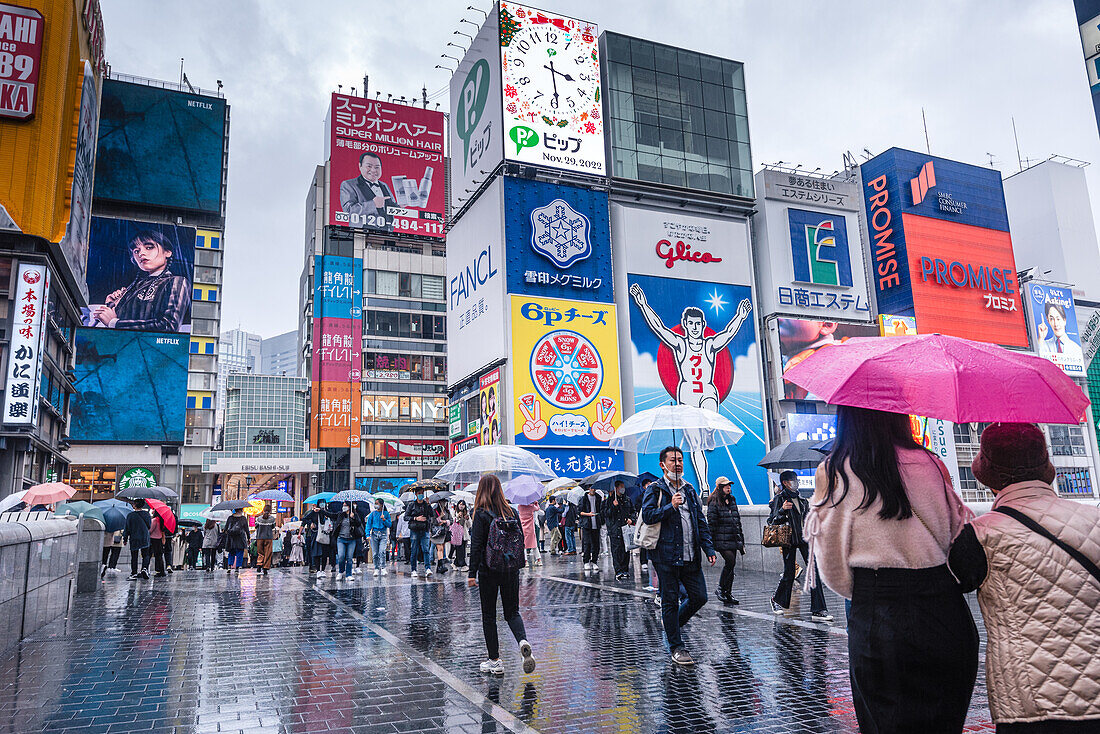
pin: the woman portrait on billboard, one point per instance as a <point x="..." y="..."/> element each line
<point x="1053" y="339"/>
<point x="157" y="299"/>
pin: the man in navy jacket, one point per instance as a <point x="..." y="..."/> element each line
<point x="684" y="540"/>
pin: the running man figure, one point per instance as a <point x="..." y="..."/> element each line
<point x="695" y="356"/>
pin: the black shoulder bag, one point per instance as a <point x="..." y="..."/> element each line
<point x="1036" y="527"/>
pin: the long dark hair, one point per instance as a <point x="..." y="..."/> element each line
<point x="490" y="496"/>
<point x="867" y="441"/>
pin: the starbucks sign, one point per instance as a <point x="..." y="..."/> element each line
<point x="138" y="476"/>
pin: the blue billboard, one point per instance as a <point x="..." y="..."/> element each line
<point x="131" y="387"/>
<point x="337" y="287"/>
<point x="160" y="147"/>
<point x="557" y="241"/>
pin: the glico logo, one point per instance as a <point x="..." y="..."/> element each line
<point x="819" y="248"/>
<point x="681" y="251"/>
<point x="923" y="182"/>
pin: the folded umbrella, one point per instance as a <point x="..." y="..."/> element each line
<point x="272" y="495"/>
<point x="319" y="497"/>
<point x="792" y="455"/>
<point x="685" y="426"/>
<point x="524" y="490"/>
<point x="166" y="515"/>
<point x="505" y="461"/>
<point x="48" y="494"/>
<point x="943" y="377"/>
<point x="78" y="508"/>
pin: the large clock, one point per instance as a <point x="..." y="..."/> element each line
<point x="551" y="80"/>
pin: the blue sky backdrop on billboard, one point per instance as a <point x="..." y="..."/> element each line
<point x="558" y="241"/>
<point x="733" y="375"/>
<point x="160" y="147"/>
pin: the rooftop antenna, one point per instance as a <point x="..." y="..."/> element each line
<point x="990" y="159"/>
<point x="424" y="95"/>
<point x="181" y="71"/>
<point x="339" y="88"/>
<point x="927" y="145"/>
<point x="353" y="92"/>
<point x="471" y="7"/>
<point x="366" y="79"/>
<point x="1015" y="137"/>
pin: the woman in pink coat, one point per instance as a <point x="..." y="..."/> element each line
<point x="530" y="544"/>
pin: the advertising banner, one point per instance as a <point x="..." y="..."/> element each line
<point x="160" y="147"/>
<point x="337" y="357"/>
<point x="809" y="427"/>
<point x="454" y="421"/>
<point x="138" y="476"/>
<point x="694" y="343"/>
<point x="140" y="276"/>
<point x="475" y="124"/>
<point x="21" y="384"/>
<point x="799" y="338"/>
<point x="889" y="325"/>
<point x="492" y="417"/>
<point x="260" y="436"/>
<point x="131" y="387"/>
<point x="558" y="241"/>
<point x="565" y="373"/>
<point x="385" y="166"/>
<point x="337" y="411"/>
<point x="389" y="485"/>
<point x="476" y="310"/>
<point x="941" y="247"/>
<point x="1054" y="327"/>
<point x="21" y="38"/>
<point x="74" y="245"/>
<point x="553" y="114"/>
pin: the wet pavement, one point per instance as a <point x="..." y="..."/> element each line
<point x="214" y="652"/>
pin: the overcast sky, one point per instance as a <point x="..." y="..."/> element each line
<point x="823" y="78"/>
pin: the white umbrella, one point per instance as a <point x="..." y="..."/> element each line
<point x="690" y="428"/>
<point x="559" y="484"/>
<point x="11" y="500"/>
<point x="576" y="495"/>
<point x="506" y="462"/>
<point x="219" y="515"/>
<point x="463" y="494"/>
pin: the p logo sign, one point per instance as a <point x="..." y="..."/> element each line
<point x="819" y="248"/>
<point x="523" y="137"/>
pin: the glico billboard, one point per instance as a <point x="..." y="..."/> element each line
<point x="940" y="246"/>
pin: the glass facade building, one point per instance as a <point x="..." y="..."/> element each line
<point x="676" y="117"/>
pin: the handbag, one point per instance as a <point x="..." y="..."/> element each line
<point x="776" y="536"/>
<point x="645" y="535"/>
<point x="324" y="532"/>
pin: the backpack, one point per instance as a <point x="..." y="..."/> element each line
<point x="504" y="546"/>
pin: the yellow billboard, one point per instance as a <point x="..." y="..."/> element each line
<point x="565" y="369"/>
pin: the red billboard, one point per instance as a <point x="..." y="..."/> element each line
<point x="20" y="58"/>
<point x="385" y="167"/>
<point x="964" y="281"/>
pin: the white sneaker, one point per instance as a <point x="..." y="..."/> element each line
<point x="528" y="659"/>
<point x="384" y="572"/>
<point x="821" y="617"/>
<point x="649" y="588"/>
<point x="377" y="572"/>
<point x="588" y="567"/>
<point x="428" y="572"/>
<point x="494" y="667"/>
<point x="645" y="566"/>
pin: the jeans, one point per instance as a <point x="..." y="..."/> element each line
<point x="675" y="614"/>
<point x="235" y="558"/>
<point x="619" y="557"/>
<point x="570" y="540"/>
<point x="146" y="554"/>
<point x="421" y="548"/>
<point x="378" y="548"/>
<point x="490" y="583"/>
<point x="345" y="552"/>
<point x="782" y="595"/>
<point x="590" y="544"/>
<point x="725" y="581"/>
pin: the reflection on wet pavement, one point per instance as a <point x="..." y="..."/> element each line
<point x="218" y="653"/>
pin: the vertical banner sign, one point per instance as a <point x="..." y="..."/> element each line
<point x="1054" y="327"/>
<point x="21" y="34"/>
<point x="337" y="352"/>
<point x="74" y="245"/>
<point x="553" y="114"/>
<point x="386" y="167"/>
<point x="491" y="415"/>
<point x="32" y="292"/>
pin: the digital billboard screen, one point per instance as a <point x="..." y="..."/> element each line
<point x="140" y="276"/>
<point x="385" y="167"/>
<point x="799" y="338"/>
<point x="131" y="387"/>
<point x="160" y="147"/>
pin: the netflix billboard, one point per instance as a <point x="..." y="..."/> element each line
<point x="386" y="169"/>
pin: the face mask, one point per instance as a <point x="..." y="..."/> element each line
<point x="419" y="497"/>
<point x="675" y="475"/>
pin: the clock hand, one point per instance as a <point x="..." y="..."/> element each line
<point x="553" y="76"/>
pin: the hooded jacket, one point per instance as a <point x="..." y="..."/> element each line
<point x="724" y="520"/>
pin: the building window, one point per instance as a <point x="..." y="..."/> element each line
<point x="962" y="433"/>
<point x="1074" y="482"/>
<point x="971" y="489"/>
<point x="1067" y="440"/>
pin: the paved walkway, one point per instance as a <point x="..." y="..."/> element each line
<point x="224" y="653"/>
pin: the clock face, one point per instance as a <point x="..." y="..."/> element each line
<point x="551" y="85"/>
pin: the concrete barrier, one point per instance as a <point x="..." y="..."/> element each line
<point x="38" y="562"/>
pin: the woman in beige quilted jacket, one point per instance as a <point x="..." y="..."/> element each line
<point x="1035" y="561"/>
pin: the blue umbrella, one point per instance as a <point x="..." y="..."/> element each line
<point x="319" y="497"/>
<point x="114" y="519"/>
<point x="124" y="507"/>
<point x="273" y="495"/>
<point x="352" y="495"/>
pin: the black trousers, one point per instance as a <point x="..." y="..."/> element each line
<point x="459" y="552"/>
<point x="619" y="556"/>
<point x="782" y="595"/>
<point x="146" y="554"/>
<point x="910" y="631"/>
<point x="506" y="585"/>
<point x="110" y="555"/>
<point x="729" y="560"/>
<point x="590" y="544"/>
<point x="157" y="548"/>
<point x="674" y="612"/>
<point x="208" y="558"/>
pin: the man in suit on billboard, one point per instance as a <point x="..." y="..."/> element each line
<point x="366" y="195"/>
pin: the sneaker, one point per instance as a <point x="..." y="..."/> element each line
<point x="134" y="577"/>
<point x="228" y="571"/>
<point x="377" y="572"/>
<point x="776" y="608"/>
<point x="538" y="561"/>
<point x="145" y="573"/>
<point x="648" y="587"/>
<point x="645" y="566"/>
<point x="821" y="617"/>
<point x="732" y="600"/>
<point x="528" y="659"/>
<point x="427" y="572"/>
<point x="384" y="572"/>
<point x="620" y="576"/>
<point x="493" y="667"/>
<point x="169" y="569"/>
<point x="680" y="657"/>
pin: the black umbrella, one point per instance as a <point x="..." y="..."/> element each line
<point x="792" y="455"/>
<point x="605" y="480"/>
<point x="189" y="523"/>
<point x="825" y="447"/>
<point x="428" y="485"/>
<point x="438" y="496"/>
<point x="143" y="493"/>
<point x="231" y="505"/>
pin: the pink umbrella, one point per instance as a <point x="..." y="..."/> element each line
<point x="47" y="494"/>
<point x="942" y="377"/>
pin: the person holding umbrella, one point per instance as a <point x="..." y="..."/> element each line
<point x="136" y="535"/>
<point x="553" y="522"/>
<point x="420" y="516"/>
<point x="590" y="512"/>
<point x="236" y="539"/>
<point x="788" y="507"/>
<point x="265" y="538"/>
<point x="378" y="522"/>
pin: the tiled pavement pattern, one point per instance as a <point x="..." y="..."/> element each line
<point x="217" y="653"/>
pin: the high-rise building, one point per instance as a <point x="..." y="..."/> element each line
<point x="238" y="351"/>
<point x="279" y="355"/>
<point x="373" y="326"/>
<point x="48" y="116"/>
<point x="147" y="349"/>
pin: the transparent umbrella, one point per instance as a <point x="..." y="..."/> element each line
<point x="690" y="428"/>
<point x="507" y="462"/>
